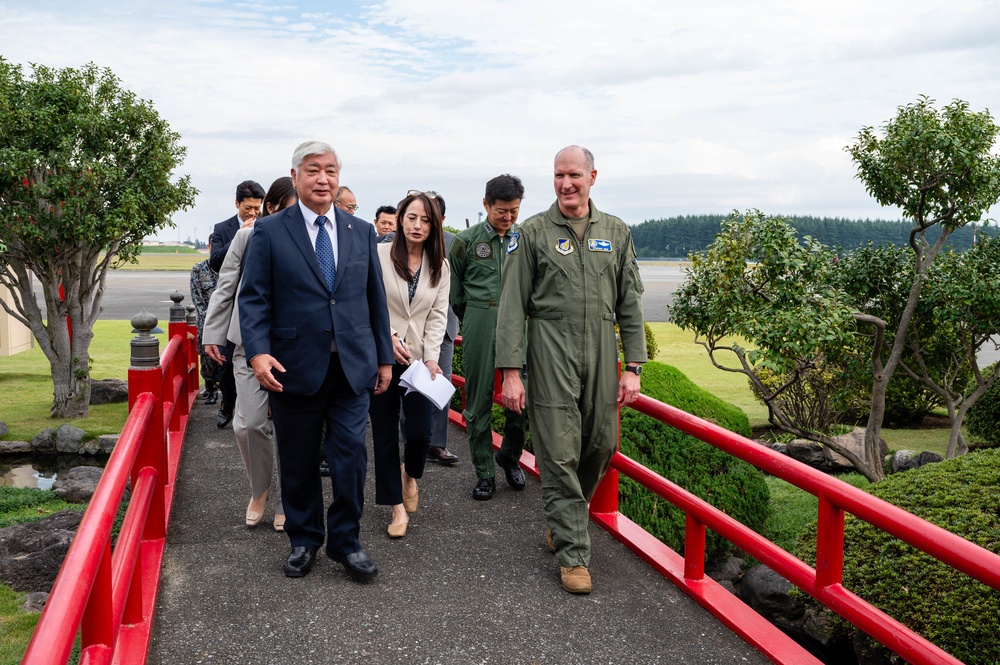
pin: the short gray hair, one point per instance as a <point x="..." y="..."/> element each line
<point x="312" y="148"/>
<point x="587" y="155"/>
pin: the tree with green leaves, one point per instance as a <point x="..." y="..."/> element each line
<point x="938" y="168"/>
<point x="792" y="302"/>
<point x="86" y="172"/>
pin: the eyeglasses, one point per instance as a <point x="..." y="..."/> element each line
<point x="349" y="208"/>
<point x="417" y="192"/>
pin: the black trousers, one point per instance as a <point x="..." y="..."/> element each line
<point x="384" y="412"/>
<point x="298" y="427"/>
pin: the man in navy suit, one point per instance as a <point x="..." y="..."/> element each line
<point x="316" y="332"/>
<point x="249" y="195"/>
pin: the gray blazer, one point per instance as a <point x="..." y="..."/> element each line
<point x="222" y="322"/>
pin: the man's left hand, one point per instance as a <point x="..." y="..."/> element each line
<point x="384" y="377"/>
<point x="628" y="388"/>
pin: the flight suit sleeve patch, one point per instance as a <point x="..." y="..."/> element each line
<point x="597" y="245"/>
<point x="564" y="246"/>
<point x="513" y="244"/>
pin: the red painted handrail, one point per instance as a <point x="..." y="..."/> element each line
<point x="109" y="595"/>
<point x="823" y="582"/>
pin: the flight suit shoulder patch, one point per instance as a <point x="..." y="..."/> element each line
<point x="515" y="237"/>
<point x="483" y="250"/>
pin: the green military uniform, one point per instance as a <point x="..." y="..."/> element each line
<point x="572" y="293"/>
<point x="477" y="258"/>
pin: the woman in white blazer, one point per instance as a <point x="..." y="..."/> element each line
<point x="417" y="281"/>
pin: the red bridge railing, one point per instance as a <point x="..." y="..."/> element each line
<point x="824" y="582"/>
<point x="106" y="593"/>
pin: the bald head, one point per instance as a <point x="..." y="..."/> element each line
<point x="588" y="156"/>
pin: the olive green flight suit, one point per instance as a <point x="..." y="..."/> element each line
<point x="572" y="293"/>
<point x="477" y="257"/>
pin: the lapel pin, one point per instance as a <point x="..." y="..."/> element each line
<point x="349" y="227"/>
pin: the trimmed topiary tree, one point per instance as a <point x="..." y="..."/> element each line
<point x="733" y="486"/>
<point x="983" y="418"/>
<point x="955" y="612"/>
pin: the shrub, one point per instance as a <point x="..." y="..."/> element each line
<point x="947" y="607"/>
<point x="651" y="346"/>
<point x="983" y="418"/>
<point x="733" y="486"/>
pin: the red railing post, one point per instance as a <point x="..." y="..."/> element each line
<point x="182" y="365"/>
<point x="146" y="376"/>
<point x="98" y="625"/>
<point x="829" y="543"/>
<point x="694" y="548"/>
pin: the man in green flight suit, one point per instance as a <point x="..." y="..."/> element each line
<point x="571" y="272"/>
<point x="477" y="258"/>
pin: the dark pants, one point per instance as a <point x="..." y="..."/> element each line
<point x="298" y="425"/>
<point x="227" y="386"/>
<point x="384" y="413"/>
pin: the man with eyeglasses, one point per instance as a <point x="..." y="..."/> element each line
<point x="477" y="259"/>
<point x="346" y="200"/>
<point x="571" y="276"/>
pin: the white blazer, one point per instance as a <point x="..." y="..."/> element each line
<point x="421" y="324"/>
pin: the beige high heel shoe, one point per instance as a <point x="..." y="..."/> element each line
<point x="410" y="500"/>
<point x="397" y="529"/>
<point x="255" y="514"/>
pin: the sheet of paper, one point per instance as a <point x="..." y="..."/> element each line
<point x="418" y="377"/>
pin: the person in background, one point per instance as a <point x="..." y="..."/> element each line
<point x="254" y="433"/>
<point x="417" y="282"/>
<point x="385" y="220"/>
<point x="346" y="200"/>
<point x="203" y="283"/>
<point x="477" y="258"/>
<point x="571" y="275"/>
<point x="249" y="197"/>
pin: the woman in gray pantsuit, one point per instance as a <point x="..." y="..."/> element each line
<point x="254" y="434"/>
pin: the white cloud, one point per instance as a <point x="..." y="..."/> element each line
<point x="689" y="107"/>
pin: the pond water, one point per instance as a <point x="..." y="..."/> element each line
<point x="40" y="471"/>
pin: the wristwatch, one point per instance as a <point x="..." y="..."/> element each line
<point x="635" y="369"/>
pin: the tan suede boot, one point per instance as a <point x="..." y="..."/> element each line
<point x="575" y="579"/>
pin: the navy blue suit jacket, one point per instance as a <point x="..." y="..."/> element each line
<point x="287" y="311"/>
<point x="222" y="236"/>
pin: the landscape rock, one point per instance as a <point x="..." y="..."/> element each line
<point x="727" y="570"/>
<point x="69" y="438"/>
<point x="823" y="458"/>
<point x="767" y="592"/>
<point x="31" y="554"/>
<point x="108" y="391"/>
<point x="34" y="602"/>
<point x="78" y="484"/>
<point x="15" y="447"/>
<point x="44" y="441"/>
<point x="904" y="460"/>
<point x="107" y="443"/>
<point x="4" y="430"/>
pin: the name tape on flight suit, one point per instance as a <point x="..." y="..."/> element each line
<point x="597" y="245"/>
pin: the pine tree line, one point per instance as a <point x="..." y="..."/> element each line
<point x="674" y="237"/>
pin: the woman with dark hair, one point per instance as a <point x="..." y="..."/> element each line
<point x="280" y="195"/>
<point x="417" y="281"/>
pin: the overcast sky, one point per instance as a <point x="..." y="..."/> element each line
<point x="689" y="107"/>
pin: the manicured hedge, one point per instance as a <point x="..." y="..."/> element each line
<point x="947" y="607"/>
<point x="733" y="486"/>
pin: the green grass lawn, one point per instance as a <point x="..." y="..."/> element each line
<point x="26" y="384"/>
<point x="181" y="262"/>
<point x="168" y="249"/>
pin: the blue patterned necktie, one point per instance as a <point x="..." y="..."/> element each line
<point x="324" y="253"/>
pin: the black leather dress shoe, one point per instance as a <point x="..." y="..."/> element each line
<point x="223" y="419"/>
<point x="300" y="561"/>
<point x="512" y="472"/>
<point x="211" y="397"/>
<point x="324" y="468"/>
<point x="441" y="456"/>
<point x="483" y="491"/>
<point x="358" y="564"/>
